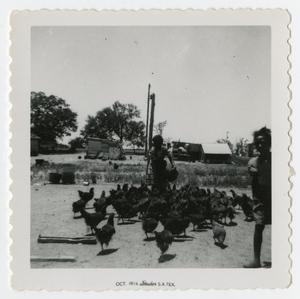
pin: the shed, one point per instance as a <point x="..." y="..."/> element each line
<point x="34" y="145"/>
<point x="215" y="153"/>
<point x="103" y="148"/>
<point x="194" y="149"/>
<point x="186" y="151"/>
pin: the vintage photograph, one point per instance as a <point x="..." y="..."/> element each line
<point x="150" y="147"/>
<point x="150" y="150"/>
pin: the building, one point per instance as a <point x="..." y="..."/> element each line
<point x="186" y="151"/>
<point x="34" y="145"/>
<point x="103" y="149"/>
<point x="216" y="153"/>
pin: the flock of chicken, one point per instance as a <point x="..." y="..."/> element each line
<point x="175" y="210"/>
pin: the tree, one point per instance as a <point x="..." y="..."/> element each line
<point x="118" y="122"/>
<point x="241" y="147"/>
<point x="51" y="117"/>
<point x="136" y="133"/>
<point x="96" y="126"/>
<point x="159" y="127"/>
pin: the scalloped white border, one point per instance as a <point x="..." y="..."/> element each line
<point x="59" y="279"/>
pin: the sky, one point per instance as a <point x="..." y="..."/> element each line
<point x="208" y="80"/>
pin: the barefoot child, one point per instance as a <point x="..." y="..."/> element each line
<point x="260" y="170"/>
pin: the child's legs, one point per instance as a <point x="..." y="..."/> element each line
<point x="258" y="237"/>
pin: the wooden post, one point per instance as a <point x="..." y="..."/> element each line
<point x="52" y="259"/>
<point x="147" y="121"/>
<point x="151" y="119"/>
<point x="149" y="141"/>
<point x="68" y="240"/>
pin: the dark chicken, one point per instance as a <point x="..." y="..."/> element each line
<point x="197" y="219"/>
<point x="246" y="205"/>
<point x="176" y="223"/>
<point x="105" y="233"/>
<point x="78" y="205"/>
<point x="86" y="196"/>
<point x="164" y="240"/>
<point x="92" y="219"/>
<point x="125" y="209"/>
<point x="101" y="204"/>
<point x="157" y="206"/>
<point x="149" y="224"/>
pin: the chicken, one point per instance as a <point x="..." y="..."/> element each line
<point x="219" y="233"/>
<point x="197" y="219"/>
<point x="101" y="204"/>
<point x="231" y="213"/>
<point x="157" y="206"/>
<point x="218" y="210"/>
<point x="124" y="208"/>
<point x="105" y="233"/>
<point x="176" y="223"/>
<point x="125" y="187"/>
<point x="142" y="206"/>
<point x="149" y="224"/>
<point x="92" y="219"/>
<point x="236" y="199"/>
<point x="78" y="205"/>
<point x="164" y="240"/>
<point x="86" y="196"/>
<point x="246" y="205"/>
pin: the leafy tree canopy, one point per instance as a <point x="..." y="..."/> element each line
<point x="51" y="117"/>
<point x="77" y="142"/>
<point x="118" y="122"/>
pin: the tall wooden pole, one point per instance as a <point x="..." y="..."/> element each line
<point x="149" y="140"/>
<point x="147" y="121"/>
<point x="151" y="119"/>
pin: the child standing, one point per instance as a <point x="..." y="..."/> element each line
<point x="260" y="170"/>
<point x="158" y="153"/>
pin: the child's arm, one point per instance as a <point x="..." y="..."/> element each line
<point x="252" y="166"/>
<point x="171" y="159"/>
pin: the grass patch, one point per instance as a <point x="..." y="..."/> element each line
<point x="218" y="175"/>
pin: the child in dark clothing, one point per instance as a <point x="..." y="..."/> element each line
<point x="260" y="170"/>
<point x="158" y="153"/>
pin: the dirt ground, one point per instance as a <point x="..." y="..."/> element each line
<point x="51" y="215"/>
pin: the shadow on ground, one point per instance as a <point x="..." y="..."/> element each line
<point x="166" y="257"/>
<point x="267" y="265"/>
<point x="222" y="246"/>
<point x="108" y="251"/>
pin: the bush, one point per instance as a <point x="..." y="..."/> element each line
<point x="54" y="178"/>
<point x="68" y="178"/>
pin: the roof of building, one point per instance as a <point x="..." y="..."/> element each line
<point x="216" y="148"/>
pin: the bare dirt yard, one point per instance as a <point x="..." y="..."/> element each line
<point x="51" y="215"/>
